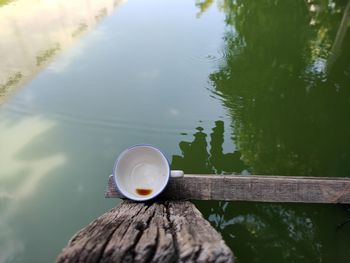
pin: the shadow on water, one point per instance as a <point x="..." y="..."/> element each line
<point x="197" y="159"/>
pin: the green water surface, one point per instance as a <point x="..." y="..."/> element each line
<point x="244" y="87"/>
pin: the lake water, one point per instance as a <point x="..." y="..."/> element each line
<point x="246" y="87"/>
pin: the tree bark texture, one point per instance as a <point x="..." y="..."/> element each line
<point x="173" y="231"/>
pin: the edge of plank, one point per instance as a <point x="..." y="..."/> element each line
<point x="257" y="188"/>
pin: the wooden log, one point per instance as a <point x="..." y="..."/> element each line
<point x="148" y="232"/>
<point x="254" y="188"/>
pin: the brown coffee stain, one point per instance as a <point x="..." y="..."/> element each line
<point x="143" y="191"/>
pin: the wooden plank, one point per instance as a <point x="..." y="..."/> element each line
<point x="172" y="231"/>
<point x="254" y="188"/>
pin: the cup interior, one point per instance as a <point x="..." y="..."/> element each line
<point x="141" y="172"/>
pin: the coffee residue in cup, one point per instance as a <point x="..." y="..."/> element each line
<point x="143" y="191"/>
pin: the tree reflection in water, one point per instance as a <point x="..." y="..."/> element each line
<point x="290" y="109"/>
<point x="260" y="232"/>
<point x="284" y="78"/>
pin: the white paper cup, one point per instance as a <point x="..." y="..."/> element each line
<point x="142" y="172"/>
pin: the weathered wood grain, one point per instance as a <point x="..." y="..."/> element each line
<point x="254" y="188"/>
<point x="172" y="231"/>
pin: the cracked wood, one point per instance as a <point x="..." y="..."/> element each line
<point x="254" y="188"/>
<point x="173" y="231"/>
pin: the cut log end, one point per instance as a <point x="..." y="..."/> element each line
<point x="173" y="231"/>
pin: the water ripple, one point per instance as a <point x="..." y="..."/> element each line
<point x="220" y="56"/>
<point x="111" y="122"/>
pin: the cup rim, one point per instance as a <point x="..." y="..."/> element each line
<point x="126" y="194"/>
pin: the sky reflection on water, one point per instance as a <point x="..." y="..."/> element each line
<point x="231" y="87"/>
